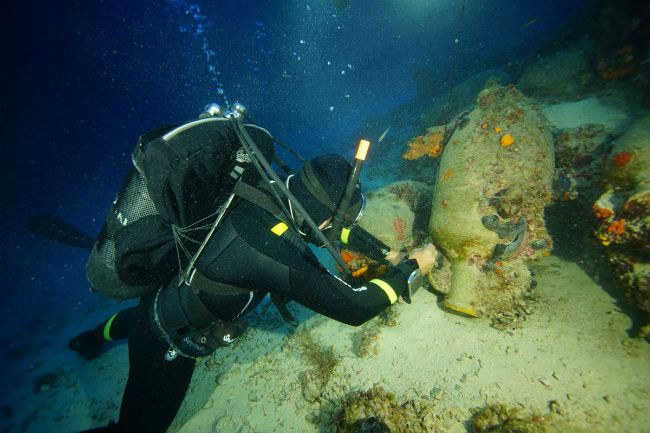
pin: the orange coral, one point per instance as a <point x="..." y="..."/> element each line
<point x="619" y="65"/>
<point x="507" y="140"/>
<point x="428" y="145"/>
<point x="360" y="272"/>
<point x="617" y="227"/>
<point x="622" y="158"/>
<point x="618" y="73"/>
<point x="602" y="212"/>
<point x="347" y="256"/>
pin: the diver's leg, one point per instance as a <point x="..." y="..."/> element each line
<point x="89" y="344"/>
<point x="156" y="387"/>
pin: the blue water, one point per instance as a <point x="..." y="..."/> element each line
<point x="81" y="80"/>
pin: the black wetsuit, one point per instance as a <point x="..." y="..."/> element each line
<point x="155" y="387"/>
<point x="252" y="253"/>
<point x="248" y="253"/>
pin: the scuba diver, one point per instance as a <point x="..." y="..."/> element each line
<point x="201" y="249"/>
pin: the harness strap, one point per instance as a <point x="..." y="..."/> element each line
<point x="198" y="315"/>
<point x="258" y="198"/>
<point x="181" y="308"/>
<point x="207" y="285"/>
<point x="314" y="186"/>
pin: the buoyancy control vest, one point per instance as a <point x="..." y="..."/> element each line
<point x="181" y="179"/>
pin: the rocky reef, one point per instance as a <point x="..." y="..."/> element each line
<point x="623" y="212"/>
<point x="406" y="204"/>
<point x="559" y="76"/>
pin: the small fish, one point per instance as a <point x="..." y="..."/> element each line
<point x="383" y="134"/>
<point x="528" y="23"/>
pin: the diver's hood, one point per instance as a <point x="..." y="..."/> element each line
<point x="319" y="187"/>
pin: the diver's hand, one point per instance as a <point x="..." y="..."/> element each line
<point x="395" y="257"/>
<point x="426" y="257"/>
<point x="88" y="344"/>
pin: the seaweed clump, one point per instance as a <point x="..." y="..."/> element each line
<point x="367" y="343"/>
<point x="503" y="419"/>
<point x="499" y="418"/>
<point x="377" y="410"/>
<point x="368" y="339"/>
<point x="323" y="361"/>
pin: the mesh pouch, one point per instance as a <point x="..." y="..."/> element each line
<point x="131" y="204"/>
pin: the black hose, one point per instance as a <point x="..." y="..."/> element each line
<point x="344" y="204"/>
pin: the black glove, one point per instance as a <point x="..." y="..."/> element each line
<point x="198" y="343"/>
<point x="88" y="344"/>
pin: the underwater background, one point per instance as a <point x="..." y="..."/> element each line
<point x="82" y="80"/>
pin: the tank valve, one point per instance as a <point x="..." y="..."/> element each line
<point x="211" y="110"/>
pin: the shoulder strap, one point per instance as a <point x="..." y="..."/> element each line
<point x="258" y="198"/>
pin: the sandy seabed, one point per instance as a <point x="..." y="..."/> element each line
<point x="573" y="353"/>
<point x="573" y="350"/>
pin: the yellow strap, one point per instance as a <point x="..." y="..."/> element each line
<point x="345" y="235"/>
<point x="107" y="328"/>
<point x="279" y="228"/>
<point x="392" y="296"/>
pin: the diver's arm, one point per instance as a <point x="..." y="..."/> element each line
<point x="358" y="239"/>
<point x="330" y="296"/>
